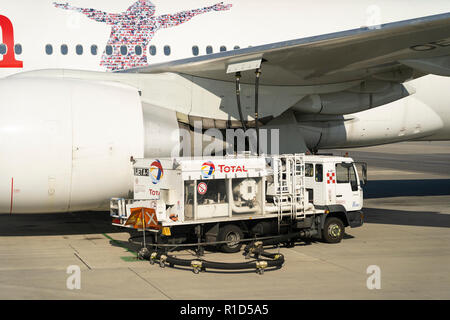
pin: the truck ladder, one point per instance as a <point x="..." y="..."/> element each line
<point x="299" y="185"/>
<point x="290" y="187"/>
<point x="282" y="186"/>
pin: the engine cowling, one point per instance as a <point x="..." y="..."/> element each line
<point x="405" y="119"/>
<point x="66" y="144"/>
<point x="351" y="101"/>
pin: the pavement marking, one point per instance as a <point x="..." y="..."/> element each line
<point x="130" y="259"/>
<point x="150" y="283"/>
<point x="85" y="263"/>
<point x="73" y="248"/>
<point x="305" y="257"/>
<point x="37" y="292"/>
<point x="12" y="196"/>
<point x="397" y="171"/>
<point x="125" y="258"/>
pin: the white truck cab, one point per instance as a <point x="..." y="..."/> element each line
<point x="333" y="181"/>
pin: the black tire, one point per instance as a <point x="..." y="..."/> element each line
<point x="230" y="232"/>
<point x="333" y="230"/>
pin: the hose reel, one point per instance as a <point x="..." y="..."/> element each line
<point x="254" y="250"/>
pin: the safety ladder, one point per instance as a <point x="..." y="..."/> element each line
<point x="289" y="181"/>
<point x="298" y="185"/>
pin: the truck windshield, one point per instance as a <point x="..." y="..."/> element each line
<point x="342" y="175"/>
<point x="345" y="173"/>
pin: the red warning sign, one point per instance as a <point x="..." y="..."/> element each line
<point x="141" y="218"/>
<point x="202" y="188"/>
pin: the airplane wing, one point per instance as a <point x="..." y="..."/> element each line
<point x="393" y="52"/>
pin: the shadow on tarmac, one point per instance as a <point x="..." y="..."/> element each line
<point x="406" y="188"/>
<point x="53" y="224"/>
<point x="94" y="222"/>
<point x="406" y="218"/>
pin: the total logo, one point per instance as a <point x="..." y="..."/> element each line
<point x="156" y="171"/>
<point x="208" y="169"/>
<point x="232" y="169"/>
<point x="154" y="193"/>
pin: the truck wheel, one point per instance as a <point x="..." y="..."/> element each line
<point x="333" y="230"/>
<point x="230" y="232"/>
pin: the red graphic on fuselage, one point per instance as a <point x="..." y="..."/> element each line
<point x="135" y="28"/>
<point x="9" y="58"/>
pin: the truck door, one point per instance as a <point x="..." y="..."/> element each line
<point x="348" y="191"/>
<point x="314" y="183"/>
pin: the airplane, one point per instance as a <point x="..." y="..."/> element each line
<point x="86" y="86"/>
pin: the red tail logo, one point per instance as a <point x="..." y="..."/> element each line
<point x="9" y="59"/>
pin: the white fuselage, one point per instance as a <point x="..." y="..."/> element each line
<point x="44" y="31"/>
<point x="39" y="23"/>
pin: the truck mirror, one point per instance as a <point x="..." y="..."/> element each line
<point x="363" y="165"/>
<point x="364" y="168"/>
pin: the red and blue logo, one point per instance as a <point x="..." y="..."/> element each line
<point x="208" y="169"/>
<point x="156" y="171"/>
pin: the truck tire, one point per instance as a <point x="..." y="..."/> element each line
<point x="230" y="232"/>
<point x="333" y="230"/>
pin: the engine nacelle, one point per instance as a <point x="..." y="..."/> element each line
<point x="346" y="102"/>
<point x="66" y="144"/>
<point x="398" y="121"/>
<point x="402" y="120"/>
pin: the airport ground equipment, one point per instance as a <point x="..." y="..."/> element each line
<point x="261" y="259"/>
<point x="223" y="200"/>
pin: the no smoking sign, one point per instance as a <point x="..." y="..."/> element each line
<point x="202" y="188"/>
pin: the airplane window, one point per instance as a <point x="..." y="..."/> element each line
<point x="18" y="48"/>
<point x="152" y="50"/>
<point x="236" y="47"/>
<point x="167" y="50"/>
<point x="79" y="49"/>
<point x="195" y="50"/>
<point x="64" y="49"/>
<point x="138" y="50"/>
<point x="49" y="49"/>
<point x="109" y="50"/>
<point x="223" y="48"/>
<point x="123" y="50"/>
<point x="94" y="50"/>
<point x="209" y="50"/>
<point x="2" y="48"/>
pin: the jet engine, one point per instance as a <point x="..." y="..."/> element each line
<point x="405" y="119"/>
<point x="66" y="144"/>
<point x="351" y="101"/>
